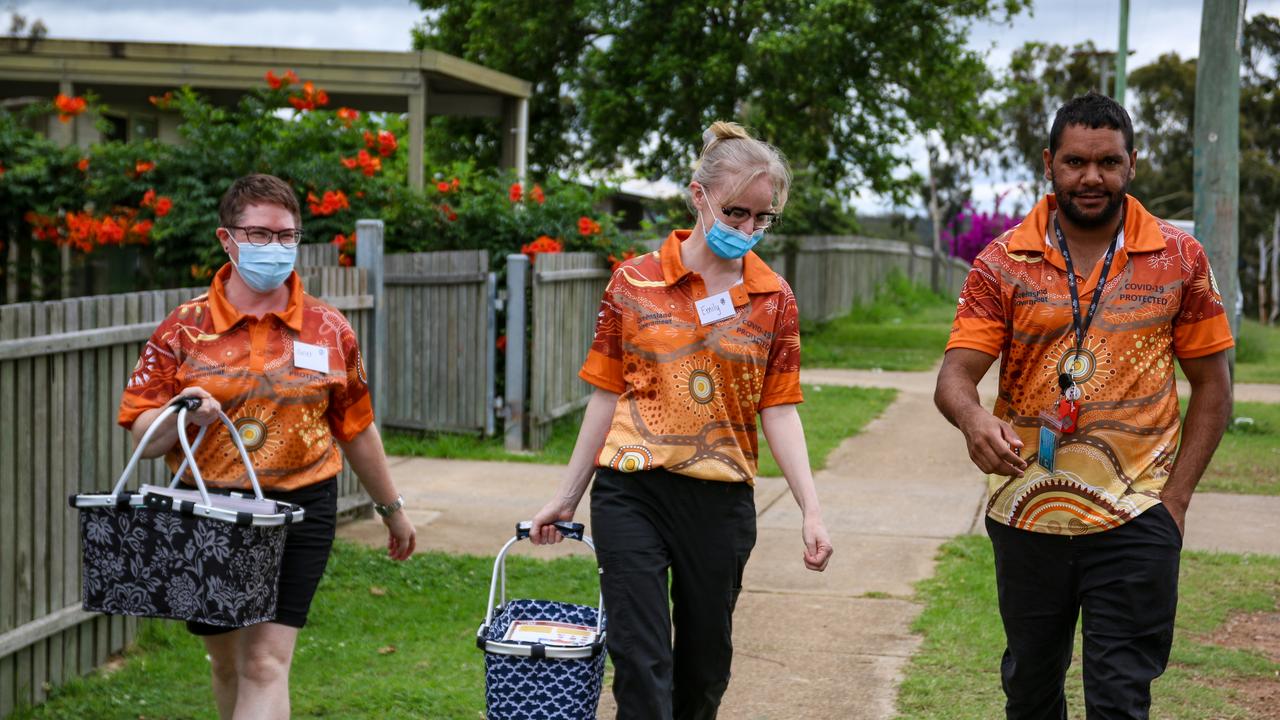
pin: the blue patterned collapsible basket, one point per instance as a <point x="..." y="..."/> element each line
<point x="167" y="552"/>
<point x="531" y="680"/>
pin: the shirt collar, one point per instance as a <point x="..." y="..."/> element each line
<point x="1141" y="230"/>
<point x="757" y="276"/>
<point x="225" y="315"/>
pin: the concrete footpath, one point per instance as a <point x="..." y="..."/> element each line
<point x="807" y="645"/>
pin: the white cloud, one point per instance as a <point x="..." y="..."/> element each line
<point x="381" y="25"/>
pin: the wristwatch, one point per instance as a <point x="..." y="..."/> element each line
<point x="389" y="510"/>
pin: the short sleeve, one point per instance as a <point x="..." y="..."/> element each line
<point x="603" y="366"/>
<point x="981" y="321"/>
<point x="782" y="373"/>
<point x="350" y="406"/>
<point x="1201" y="327"/>
<point x="154" y="381"/>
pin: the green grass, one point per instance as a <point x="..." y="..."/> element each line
<point x="955" y="674"/>
<point x="559" y="446"/>
<point x="829" y="413"/>
<point x="905" y="328"/>
<point x="1248" y="459"/>
<point x="428" y="612"/>
<point x="1258" y="353"/>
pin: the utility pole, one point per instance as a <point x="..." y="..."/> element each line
<point x="935" y="221"/>
<point x="1122" y="53"/>
<point x="1217" y="148"/>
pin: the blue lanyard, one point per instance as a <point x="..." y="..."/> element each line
<point x="1081" y="328"/>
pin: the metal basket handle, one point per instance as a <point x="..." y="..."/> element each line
<point x="571" y="530"/>
<point x="181" y="405"/>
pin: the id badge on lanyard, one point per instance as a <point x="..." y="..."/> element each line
<point x="1064" y="419"/>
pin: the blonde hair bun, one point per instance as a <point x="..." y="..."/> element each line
<point x="728" y="168"/>
<point x="723" y="130"/>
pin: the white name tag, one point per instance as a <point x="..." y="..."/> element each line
<point x="715" y="308"/>
<point x="311" y="357"/>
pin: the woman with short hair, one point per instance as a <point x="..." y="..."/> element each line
<point x="286" y="368"/>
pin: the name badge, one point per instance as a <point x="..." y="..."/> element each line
<point x="1047" y="453"/>
<point x="311" y="357"/>
<point x="715" y="308"/>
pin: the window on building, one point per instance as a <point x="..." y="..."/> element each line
<point x="131" y="127"/>
<point x="117" y="127"/>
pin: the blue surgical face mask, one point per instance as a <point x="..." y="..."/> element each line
<point x="728" y="242"/>
<point x="265" y="267"/>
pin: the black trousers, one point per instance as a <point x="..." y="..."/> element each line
<point x="1122" y="582"/>
<point x="646" y="524"/>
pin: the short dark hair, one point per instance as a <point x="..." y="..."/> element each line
<point x="1092" y="110"/>
<point x="257" y="190"/>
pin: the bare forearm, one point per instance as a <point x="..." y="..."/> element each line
<point x="1208" y="413"/>
<point x="785" y="433"/>
<point x="956" y="395"/>
<point x="582" y="464"/>
<point x="207" y="411"/>
<point x="369" y="462"/>
<point x="165" y="437"/>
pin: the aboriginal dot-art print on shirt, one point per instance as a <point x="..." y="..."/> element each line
<point x="1160" y="302"/>
<point x="690" y="392"/>
<point x="287" y="415"/>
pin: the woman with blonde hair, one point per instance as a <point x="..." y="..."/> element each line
<point x="693" y="341"/>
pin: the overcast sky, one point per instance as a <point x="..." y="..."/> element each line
<point x="1155" y="27"/>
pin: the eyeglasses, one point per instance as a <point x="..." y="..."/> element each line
<point x="264" y="236"/>
<point x="738" y="215"/>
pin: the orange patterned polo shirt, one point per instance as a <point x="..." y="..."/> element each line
<point x="1160" y="301"/>
<point x="287" y="415"/>
<point x="690" y="392"/>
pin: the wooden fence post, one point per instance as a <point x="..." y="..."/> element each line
<point x="369" y="256"/>
<point x="491" y="352"/>
<point x="517" y="351"/>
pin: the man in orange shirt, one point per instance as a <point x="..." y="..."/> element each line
<point x="1087" y="302"/>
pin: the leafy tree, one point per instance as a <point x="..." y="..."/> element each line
<point x="836" y="84"/>
<point x="1260" y="128"/>
<point x="1162" y="101"/>
<point x="1041" y="77"/>
<point x="342" y="165"/>
<point x="1164" y="109"/>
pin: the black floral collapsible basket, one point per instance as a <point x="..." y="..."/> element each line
<point x="544" y="659"/>
<point x="168" y="552"/>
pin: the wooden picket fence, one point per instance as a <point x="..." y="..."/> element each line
<point x="426" y="325"/>
<point x="63" y="367"/>
<point x="829" y="275"/>
<point x="566" y="299"/>
<point x="439" y="310"/>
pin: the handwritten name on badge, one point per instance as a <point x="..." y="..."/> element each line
<point x="311" y="357"/>
<point x="715" y="308"/>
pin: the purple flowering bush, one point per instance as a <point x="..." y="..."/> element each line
<point x="970" y="230"/>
